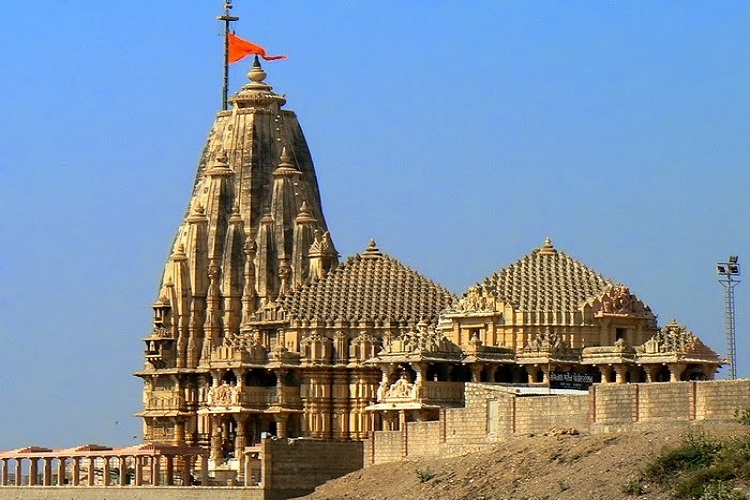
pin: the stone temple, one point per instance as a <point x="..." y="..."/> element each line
<point x="260" y="330"/>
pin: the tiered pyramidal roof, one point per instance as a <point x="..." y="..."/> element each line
<point x="546" y="280"/>
<point x="371" y="287"/>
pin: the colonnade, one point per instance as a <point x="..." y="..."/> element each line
<point x="155" y="465"/>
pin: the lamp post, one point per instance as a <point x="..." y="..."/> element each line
<point x="728" y="271"/>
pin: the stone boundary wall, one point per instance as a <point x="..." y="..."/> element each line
<point x="130" y="493"/>
<point x="495" y="412"/>
<point x="294" y="467"/>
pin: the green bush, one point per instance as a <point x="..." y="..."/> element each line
<point x="719" y="490"/>
<point x="634" y="488"/>
<point x="697" y="451"/>
<point x="742" y="416"/>
<point x="425" y="475"/>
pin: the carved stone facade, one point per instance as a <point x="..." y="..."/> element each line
<point x="258" y="328"/>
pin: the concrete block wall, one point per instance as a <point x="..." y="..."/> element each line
<point x="659" y="402"/>
<point x="494" y="412"/>
<point x="719" y="401"/>
<point x="539" y="414"/>
<point x="613" y="403"/>
<point x="296" y="466"/>
<point x="422" y="440"/>
<point x="387" y="446"/>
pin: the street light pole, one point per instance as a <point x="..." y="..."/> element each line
<point x="727" y="277"/>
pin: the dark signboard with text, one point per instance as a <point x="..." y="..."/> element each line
<point x="569" y="380"/>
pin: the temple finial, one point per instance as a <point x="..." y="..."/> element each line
<point x="548" y="248"/>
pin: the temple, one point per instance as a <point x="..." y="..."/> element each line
<point x="259" y="330"/>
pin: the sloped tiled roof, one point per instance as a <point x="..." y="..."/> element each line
<point x="370" y="287"/>
<point x="546" y="280"/>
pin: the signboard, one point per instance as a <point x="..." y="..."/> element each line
<point x="569" y="380"/>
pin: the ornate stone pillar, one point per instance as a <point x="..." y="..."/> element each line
<point x="91" y="471"/>
<point x="240" y="439"/>
<point x="47" y="477"/>
<point x="105" y="472"/>
<point x="621" y="372"/>
<point x="476" y="372"/>
<point x="33" y="472"/>
<point x="216" y="452"/>
<point x="675" y="371"/>
<point x="651" y="371"/>
<point x="492" y="373"/>
<point x="61" y="471"/>
<point x="76" y="479"/>
<point x="4" y="473"/>
<point x="155" y="470"/>
<point x="169" y="473"/>
<point x="122" y="462"/>
<point x="545" y="373"/>
<point x="138" y="471"/>
<point x="179" y="431"/>
<point x="281" y="419"/>
<point x="18" y="472"/>
<point x="339" y="404"/>
<point x="204" y="470"/>
<point x="606" y="373"/>
<point x="186" y="468"/>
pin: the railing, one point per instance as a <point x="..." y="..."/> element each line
<point x="443" y="392"/>
<point x="165" y="403"/>
<point x="263" y="397"/>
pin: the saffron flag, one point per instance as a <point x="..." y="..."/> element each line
<point x="239" y="49"/>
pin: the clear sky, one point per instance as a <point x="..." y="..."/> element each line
<point x="458" y="134"/>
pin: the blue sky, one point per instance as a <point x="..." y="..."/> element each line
<point x="459" y="135"/>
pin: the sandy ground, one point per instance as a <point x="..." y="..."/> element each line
<point x="552" y="466"/>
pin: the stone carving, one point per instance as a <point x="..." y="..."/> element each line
<point x="224" y="395"/>
<point x="618" y="300"/>
<point x="402" y="389"/>
<point x="675" y="338"/>
<point x="545" y="341"/>
<point x="474" y="301"/>
<point x="248" y="342"/>
<point x="422" y="338"/>
<point x="161" y="332"/>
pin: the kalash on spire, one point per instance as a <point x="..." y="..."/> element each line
<point x="253" y="230"/>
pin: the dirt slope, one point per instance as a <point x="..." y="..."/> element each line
<point x="531" y="467"/>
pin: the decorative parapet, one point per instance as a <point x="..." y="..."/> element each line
<point x="419" y="339"/>
<point x="676" y="340"/>
<point x="229" y="396"/>
<point x="619" y="301"/>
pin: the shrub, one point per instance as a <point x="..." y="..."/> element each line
<point x="697" y="451"/>
<point x="720" y="490"/>
<point x="742" y="416"/>
<point x="425" y="475"/>
<point x="634" y="488"/>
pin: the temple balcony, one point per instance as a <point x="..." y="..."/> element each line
<point x="231" y="398"/>
<point x="165" y="403"/>
<point x="403" y="394"/>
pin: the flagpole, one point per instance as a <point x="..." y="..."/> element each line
<point x="227" y="19"/>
